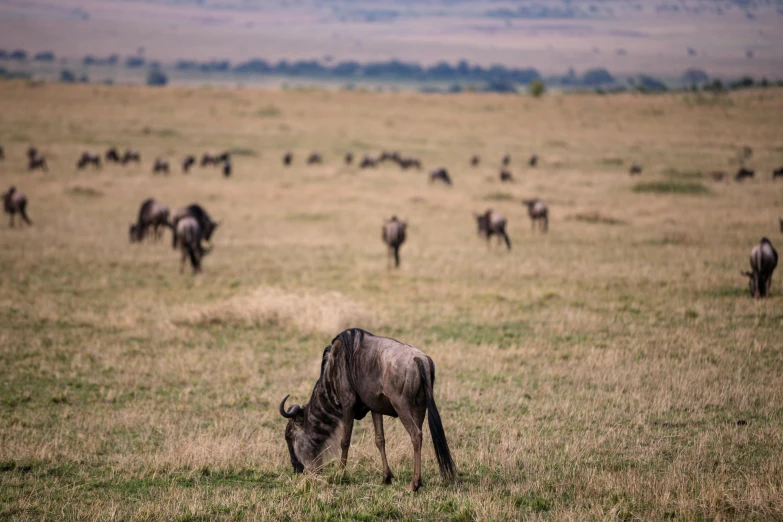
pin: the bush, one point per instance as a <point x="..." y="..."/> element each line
<point x="133" y="62"/>
<point x="156" y="77"/>
<point x="19" y="55"/>
<point x="537" y="88"/>
<point x="46" y="56"/>
<point x="67" y="76"/>
<point x="596" y="77"/>
<point x="650" y="84"/>
<point x="695" y="76"/>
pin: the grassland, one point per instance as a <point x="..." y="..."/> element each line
<point x="598" y="372"/>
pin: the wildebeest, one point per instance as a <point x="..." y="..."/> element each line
<point x="288" y="157"/>
<point x="188" y="162"/>
<point x="226" y="168"/>
<point x="206" y="225"/>
<point x="474" y="161"/>
<point x="189" y="236"/>
<point x="368" y="162"/>
<point x="13" y="202"/>
<point x="717" y="175"/>
<point x="440" y="174"/>
<point x="393" y="234"/>
<point x="492" y="223"/>
<point x="533" y="161"/>
<point x="388" y="156"/>
<point x="160" y="165"/>
<point x="32" y="152"/>
<point x="506" y="160"/>
<point x="131" y="155"/>
<point x="538" y="212"/>
<point x="88" y="158"/>
<point x="314" y="159"/>
<point x="763" y="260"/>
<point x="781" y="225"/>
<point x="635" y="169"/>
<point x="777" y="173"/>
<point x="407" y="163"/>
<point x="37" y="162"/>
<point x="112" y="155"/>
<point x="362" y="373"/>
<point x="224" y="157"/>
<point x="745" y="153"/>
<point x="743" y="173"/>
<point x="209" y="159"/>
<point x="348" y="158"/>
<point x="153" y="214"/>
<point x="505" y="175"/>
<point x="2" y="153"/>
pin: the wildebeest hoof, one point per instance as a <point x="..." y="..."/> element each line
<point x="387" y="479"/>
<point x="416" y="485"/>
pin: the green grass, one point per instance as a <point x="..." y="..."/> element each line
<point x="671" y="187"/>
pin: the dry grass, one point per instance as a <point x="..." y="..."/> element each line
<point x="595" y="372"/>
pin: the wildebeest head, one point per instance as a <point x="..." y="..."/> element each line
<point x="133" y="233"/>
<point x="293" y="431"/>
<point x="482" y="220"/>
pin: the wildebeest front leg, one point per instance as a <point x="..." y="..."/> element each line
<point x="345" y="442"/>
<point x="380" y="441"/>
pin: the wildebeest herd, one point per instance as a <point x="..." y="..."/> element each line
<point x="360" y="373"/>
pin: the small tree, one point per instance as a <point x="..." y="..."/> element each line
<point x="537" y="88"/>
<point x="156" y="77"/>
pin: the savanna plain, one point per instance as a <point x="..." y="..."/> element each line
<point x="613" y="369"/>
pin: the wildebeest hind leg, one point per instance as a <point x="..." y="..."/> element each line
<point x="380" y="442"/>
<point x="345" y="442"/>
<point x="413" y="427"/>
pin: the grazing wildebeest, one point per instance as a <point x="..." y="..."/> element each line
<point x="88" y="158"/>
<point x="13" y="202"/>
<point x="189" y="235"/>
<point x="635" y="169"/>
<point x="314" y="159"/>
<point x="113" y="155"/>
<point x="348" y="158"/>
<point x="288" y="157"/>
<point x="388" y="156"/>
<point x="153" y="214"/>
<point x="131" y="155"/>
<point x="743" y="173"/>
<point x="506" y="160"/>
<point x="226" y="169"/>
<point x="209" y="159"/>
<point x="763" y="260"/>
<point x="206" y="225"/>
<point x="492" y="223"/>
<point x="440" y="174"/>
<point x="781" y="225"/>
<point x="407" y="163"/>
<point x="37" y="162"/>
<point x="368" y="162"/>
<point x="224" y="157"/>
<point x="538" y="211"/>
<point x="362" y="373"/>
<point x="2" y="153"/>
<point x="533" y="161"/>
<point x="188" y="162"/>
<point x="777" y="173"/>
<point x="160" y="165"/>
<point x="393" y="234"/>
<point x="474" y="161"/>
<point x="505" y="175"/>
<point x="32" y="153"/>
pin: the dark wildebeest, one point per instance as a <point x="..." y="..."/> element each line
<point x="2" y="153"/>
<point x="189" y="235"/>
<point x="13" y="202"/>
<point x="388" y="156"/>
<point x="151" y="214"/>
<point x="635" y="169"/>
<point x="506" y="160"/>
<point x="348" y="158"/>
<point x="188" y="162"/>
<point x="88" y="158"/>
<point x="743" y="173"/>
<point x="407" y="163"/>
<point x="474" y="161"/>
<point x="32" y="153"/>
<point x="538" y="211"/>
<point x="368" y="162"/>
<point x="763" y="260"/>
<point x="777" y="173"/>
<point x="314" y="159"/>
<point x="112" y="155"/>
<point x="362" y="373"/>
<point x="224" y="157"/>
<point x="440" y="174"/>
<point x="393" y="234"/>
<point x="533" y="161"/>
<point x="131" y="155"/>
<point x="226" y="169"/>
<point x="160" y="165"/>
<point x="288" y="157"/>
<point x="492" y="223"/>
<point x="781" y="225"/>
<point x="37" y="162"/>
<point x="505" y="175"/>
<point x="206" y="225"/>
<point x="209" y="159"/>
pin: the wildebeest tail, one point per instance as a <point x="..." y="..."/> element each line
<point x="397" y="256"/>
<point x="448" y="469"/>
<point x="23" y="212"/>
<point x="194" y="261"/>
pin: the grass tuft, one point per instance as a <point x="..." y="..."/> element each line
<point x="671" y="187"/>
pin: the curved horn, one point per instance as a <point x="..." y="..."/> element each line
<point x="293" y="411"/>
